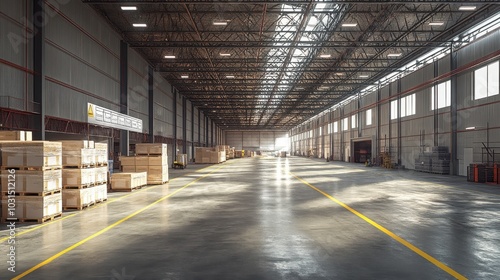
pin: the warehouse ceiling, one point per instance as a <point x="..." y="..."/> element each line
<point x="275" y="64"/>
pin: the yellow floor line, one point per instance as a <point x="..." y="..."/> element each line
<point x="388" y="232"/>
<point x="99" y="205"/>
<point x="72" y="247"/>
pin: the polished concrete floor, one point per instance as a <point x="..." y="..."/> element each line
<point x="273" y="218"/>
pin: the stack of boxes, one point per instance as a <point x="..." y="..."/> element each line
<point x="84" y="174"/>
<point x="151" y="158"/>
<point x="31" y="179"/>
<point x="210" y="155"/>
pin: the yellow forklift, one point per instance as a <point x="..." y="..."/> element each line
<point x="180" y="161"/>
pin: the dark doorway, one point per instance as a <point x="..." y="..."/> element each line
<point x="362" y="151"/>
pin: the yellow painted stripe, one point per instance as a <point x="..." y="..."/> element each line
<point x="388" y="232"/>
<point x="76" y="245"/>
<point x="99" y="205"/>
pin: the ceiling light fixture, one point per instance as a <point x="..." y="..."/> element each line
<point x="436" y="23"/>
<point x="170" y="56"/>
<point x="363" y="76"/>
<point x="349" y="24"/>
<point x="129" y="8"/>
<point x="184" y="76"/>
<point x="219" y="22"/>
<point x="394" y="55"/>
<point x="325" y="55"/>
<point x="139" y="25"/>
<point x="225" y="54"/>
<point x="467" y="8"/>
<point x="230" y="76"/>
<point x="470" y="128"/>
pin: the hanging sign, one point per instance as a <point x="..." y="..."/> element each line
<point x="105" y="117"/>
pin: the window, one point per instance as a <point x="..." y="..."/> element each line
<point x="394" y="110"/>
<point x="345" y="124"/>
<point x="369" y="117"/>
<point x="408" y="107"/>
<point x="443" y="95"/>
<point x="486" y="81"/>
<point x="335" y="127"/>
<point x="320" y="131"/>
<point x="354" y="122"/>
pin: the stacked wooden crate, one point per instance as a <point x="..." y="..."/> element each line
<point x="84" y="174"/>
<point x="151" y="158"/>
<point x="230" y="153"/>
<point x="128" y="181"/>
<point x="15" y="135"/>
<point x="31" y="180"/>
<point x="210" y="155"/>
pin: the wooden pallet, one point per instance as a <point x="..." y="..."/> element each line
<point x="82" y="166"/>
<point x="76" y="187"/>
<point x="40" y="221"/>
<point x="157" y="182"/>
<point x="33" y="168"/>
<point x="47" y="193"/>
<point x="101" y="201"/>
<point x="128" y="190"/>
<point x="65" y="208"/>
<point x="101" y="164"/>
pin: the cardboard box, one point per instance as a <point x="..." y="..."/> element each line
<point x="28" y="181"/>
<point x="34" y="207"/>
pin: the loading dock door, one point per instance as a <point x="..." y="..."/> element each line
<point x="362" y="151"/>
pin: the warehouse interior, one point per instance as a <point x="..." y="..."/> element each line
<point x="299" y="139"/>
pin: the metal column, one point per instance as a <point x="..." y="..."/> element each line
<point x="124" y="134"/>
<point x="436" y="115"/>
<point x="184" y="125"/>
<point x="175" y="125"/>
<point x="192" y="130"/>
<point x="454" y="115"/>
<point x="399" y="122"/>
<point x="39" y="17"/>
<point x="151" y="103"/>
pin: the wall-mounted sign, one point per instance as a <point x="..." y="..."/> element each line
<point x="105" y="117"/>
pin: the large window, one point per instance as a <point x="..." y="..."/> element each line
<point x="486" y="81"/>
<point x="369" y="117"/>
<point x="354" y="121"/>
<point x="335" y="127"/>
<point x="408" y="107"/>
<point x="394" y="110"/>
<point x="443" y="95"/>
<point x="345" y="124"/>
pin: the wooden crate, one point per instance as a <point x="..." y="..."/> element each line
<point x="101" y="153"/>
<point x="157" y="175"/>
<point x="157" y="160"/>
<point x="74" y="145"/>
<point x="128" y="168"/>
<point x="101" y="192"/>
<point x="78" y="198"/>
<point x="31" y="154"/>
<point x="32" y="181"/>
<point x="141" y="161"/>
<point x="8" y="135"/>
<point x="78" y="177"/>
<point x="101" y="174"/>
<point x="141" y="168"/>
<point x="128" y="181"/>
<point x="151" y="149"/>
<point x="34" y="208"/>
<point x="79" y="158"/>
<point x="127" y="161"/>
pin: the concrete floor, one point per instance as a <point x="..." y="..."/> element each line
<point x="272" y="218"/>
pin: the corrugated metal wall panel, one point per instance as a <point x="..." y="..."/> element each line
<point x="479" y="48"/>
<point x="251" y="140"/>
<point x="189" y="121"/>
